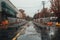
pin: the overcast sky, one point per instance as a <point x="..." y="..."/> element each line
<point x="30" y="6"/>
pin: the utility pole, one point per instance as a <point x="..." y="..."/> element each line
<point x="43" y="3"/>
<point x="38" y="13"/>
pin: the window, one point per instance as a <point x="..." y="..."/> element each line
<point x="8" y="10"/>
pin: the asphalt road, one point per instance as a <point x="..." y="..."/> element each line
<point x="30" y="33"/>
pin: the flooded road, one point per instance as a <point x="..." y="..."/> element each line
<point x="30" y="33"/>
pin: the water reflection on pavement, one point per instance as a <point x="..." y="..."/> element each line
<point x="30" y="33"/>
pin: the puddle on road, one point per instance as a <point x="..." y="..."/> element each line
<point x="30" y="33"/>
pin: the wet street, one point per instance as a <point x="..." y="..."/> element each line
<point x="29" y="20"/>
<point x="30" y="33"/>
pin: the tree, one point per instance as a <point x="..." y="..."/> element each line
<point x="36" y="16"/>
<point x="45" y="12"/>
<point x="23" y="13"/>
<point x="55" y="7"/>
<point x="28" y="18"/>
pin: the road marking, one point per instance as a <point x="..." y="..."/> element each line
<point x="18" y="34"/>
